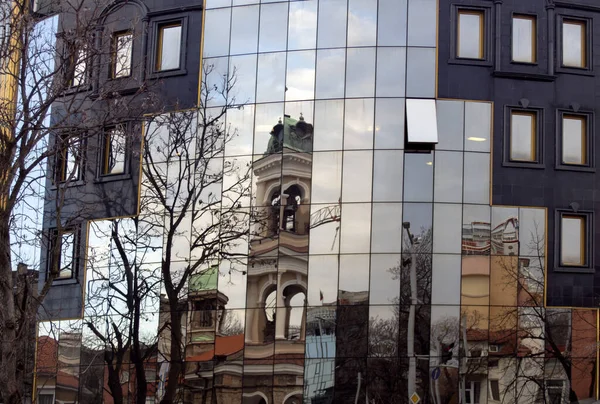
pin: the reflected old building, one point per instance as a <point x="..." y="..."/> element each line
<point x="329" y="225"/>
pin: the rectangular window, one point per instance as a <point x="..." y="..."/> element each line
<point x="168" y="48"/>
<point x="574" y="140"/>
<point x="421" y="119"/>
<point x="115" y="147"/>
<point x="122" y="54"/>
<point x="574" y="43"/>
<point x="495" y="390"/>
<point x="523" y="136"/>
<point x="68" y="159"/>
<point x="472" y="392"/>
<point x="524" y="38"/>
<point x="470" y="34"/>
<point x="63" y="253"/>
<point x="573" y="240"/>
<point x="80" y="69"/>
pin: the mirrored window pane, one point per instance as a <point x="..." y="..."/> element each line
<point x="267" y="116"/>
<point x="448" y="177"/>
<point x="420" y="72"/>
<point x="326" y="177"/>
<point x="217" y="3"/>
<point x="422" y="24"/>
<point x="574" y="139"/>
<point x="122" y="54"/>
<point x="217" y="69"/>
<point x="450" y="122"/>
<point x="271" y="77"/>
<point x="331" y="73"/>
<point x="357" y="176"/>
<point x="447" y="228"/>
<point x="391" y="23"/>
<point x="532" y="232"/>
<point x="355" y="228"/>
<point x="300" y="80"/>
<point x="477" y="178"/>
<point x="523" y="136"/>
<point x="332" y="29"/>
<point x="385" y="279"/>
<point x="386" y="228"/>
<point x="169" y="47"/>
<point x="360" y="72"/>
<point x="241" y="122"/>
<point x="420" y="219"/>
<point x="478" y="121"/>
<point x="243" y="70"/>
<point x="476" y="234"/>
<point x="470" y="34"/>
<point x="362" y="22"/>
<point x="445" y="279"/>
<point x="322" y="279"/>
<point x="524" y="38"/>
<point x="302" y="32"/>
<point x="273" y="27"/>
<point x="115" y="151"/>
<point x="418" y="177"/>
<point x="572" y="240"/>
<point x="358" y="124"/>
<point x="329" y="125"/>
<point x="391" y="67"/>
<point x="574" y="43"/>
<point x="387" y="175"/>
<point x="324" y="233"/>
<point x="389" y="123"/>
<point x="244" y="30"/>
<point x="354" y="279"/>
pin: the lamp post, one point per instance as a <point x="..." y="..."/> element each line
<point x="410" y="340"/>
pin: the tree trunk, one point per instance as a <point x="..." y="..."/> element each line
<point x="141" y="385"/>
<point x="11" y="365"/>
<point x="114" y="381"/>
<point x="176" y="357"/>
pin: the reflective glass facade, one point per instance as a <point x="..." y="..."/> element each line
<point x="355" y="263"/>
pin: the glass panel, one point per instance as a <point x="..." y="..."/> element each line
<point x="532" y="232"/>
<point x="418" y="177"/>
<point x="421" y="121"/>
<point x="300" y="80"/>
<point x="80" y="73"/>
<point x="420" y="217"/>
<point x="387" y="175"/>
<point x="420" y="72"/>
<point x="391" y="24"/>
<point x="354" y="279"/>
<point x="445" y="279"/>
<point x="217" y="3"/>
<point x="244" y="30"/>
<point x="358" y="124"/>
<point x="214" y="70"/>
<point x="169" y="47"/>
<point x="362" y="22"/>
<point x="267" y="116"/>
<point x="478" y="121"/>
<point x="242" y="122"/>
<point x="302" y="32"/>
<point x="448" y="177"/>
<point x="572" y="240"/>
<point x="391" y="67"/>
<point x="116" y="142"/>
<point x="505" y="231"/>
<point x="273" y="27"/>
<point x="242" y="69"/>
<point x="123" y="46"/>
<point x="355" y="229"/>
<point x="271" y="77"/>
<point x="67" y="255"/>
<point x="216" y="32"/>
<point x="574" y="43"/>
<point x="476" y="234"/>
<point x="386" y="228"/>
<point x="477" y="178"/>
<point x="324" y="229"/>
<point x="524" y="39"/>
<point x="329" y="125"/>
<point x="450" y="122"/>
<point x="360" y="72"/>
<point x="332" y="30"/>
<point x="523" y="136"/>
<point x="385" y="282"/>
<point x="422" y="23"/>
<point x="331" y="73"/>
<point x="357" y="176"/>
<point x="470" y="34"/>
<point x="389" y="123"/>
<point x="447" y="228"/>
<point x="322" y="279"/>
<point x="327" y="177"/>
<point x="574" y="140"/>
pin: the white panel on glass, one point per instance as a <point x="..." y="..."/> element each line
<point x="421" y="120"/>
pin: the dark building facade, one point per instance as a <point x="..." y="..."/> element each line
<point x="403" y="192"/>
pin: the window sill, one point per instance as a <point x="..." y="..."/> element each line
<point x="79" y="89"/>
<point x="578" y="71"/>
<point x="581" y="169"/>
<point x="168" y="73"/>
<point x="61" y="282"/>
<point x="71" y="184"/>
<point x="523" y="76"/>
<point x="470" y="62"/>
<point x="112" y="178"/>
<point x="515" y="164"/>
<point x="578" y="270"/>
